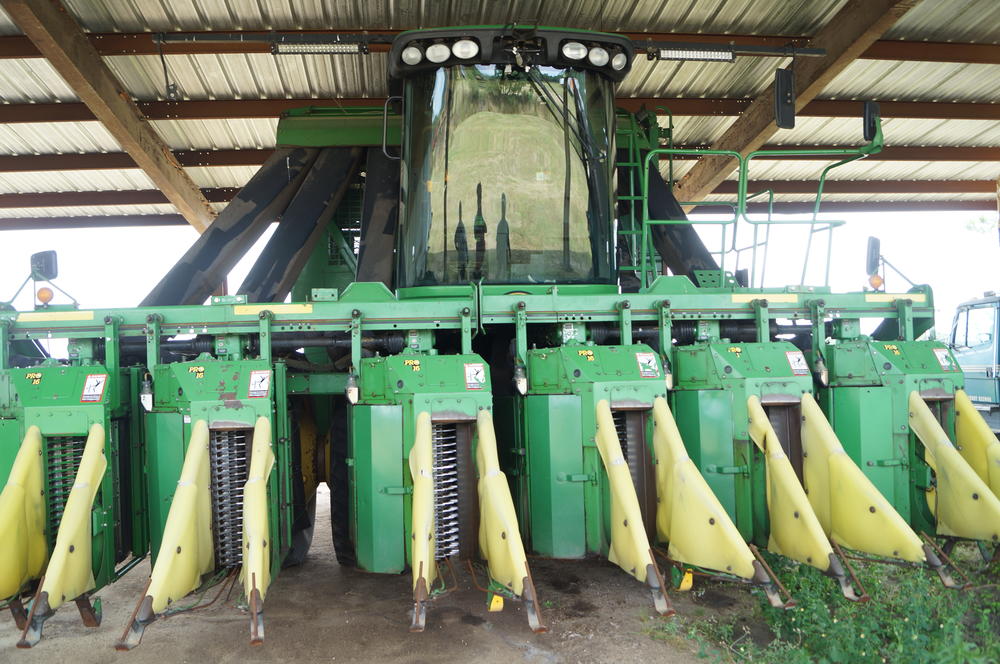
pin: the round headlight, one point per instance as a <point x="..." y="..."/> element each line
<point x="411" y="55"/>
<point x="437" y="53"/>
<point x="598" y="56"/>
<point x="619" y="61"/>
<point x="574" y="51"/>
<point x="465" y="49"/>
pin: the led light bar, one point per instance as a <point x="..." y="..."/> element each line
<point x="292" y="48"/>
<point x="702" y="54"/>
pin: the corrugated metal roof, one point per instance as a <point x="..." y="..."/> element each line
<point x="737" y="16"/>
<point x="253" y="76"/>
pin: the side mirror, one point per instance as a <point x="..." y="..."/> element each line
<point x="784" y="98"/>
<point x="873" y="256"/>
<point x="872" y="115"/>
<point x="44" y="266"/>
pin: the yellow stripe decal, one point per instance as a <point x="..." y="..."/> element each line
<point x="746" y="298"/>
<point x="255" y="309"/>
<point x="892" y="297"/>
<point x="36" y="316"/>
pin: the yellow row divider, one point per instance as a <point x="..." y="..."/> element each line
<point x="70" y="572"/>
<point x="256" y="571"/>
<point x="689" y="516"/>
<point x="977" y="444"/>
<point x="630" y="548"/>
<point x="422" y="562"/>
<point x="23" y="549"/>
<point x="187" y="549"/>
<point x="499" y="535"/>
<point x="795" y="530"/>
<point x="963" y="504"/>
<point x="850" y="509"/>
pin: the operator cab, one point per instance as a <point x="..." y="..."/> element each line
<point x="508" y="155"/>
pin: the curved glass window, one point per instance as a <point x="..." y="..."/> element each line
<point x="506" y="177"/>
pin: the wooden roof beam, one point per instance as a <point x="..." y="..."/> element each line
<point x="847" y="35"/>
<point x="89" y="161"/>
<point x="694" y="107"/>
<point x="58" y="37"/>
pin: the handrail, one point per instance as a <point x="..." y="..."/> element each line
<point x="647" y="263"/>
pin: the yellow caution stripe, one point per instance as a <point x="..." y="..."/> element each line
<point x="795" y="530"/>
<point x="977" y="444"/>
<point x="851" y="510"/>
<point x="963" y="504"/>
<point x="23" y="549"/>
<point x="689" y="516"/>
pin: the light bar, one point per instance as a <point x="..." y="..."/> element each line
<point x="292" y="48"/>
<point x="702" y="54"/>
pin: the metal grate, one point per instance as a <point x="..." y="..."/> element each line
<point x="444" y="445"/>
<point x="621" y="428"/>
<point x="229" y="461"/>
<point x="64" y="454"/>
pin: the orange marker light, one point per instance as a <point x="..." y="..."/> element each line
<point x="45" y="295"/>
<point x="876" y="281"/>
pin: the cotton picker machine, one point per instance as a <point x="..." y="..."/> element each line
<point x="487" y="324"/>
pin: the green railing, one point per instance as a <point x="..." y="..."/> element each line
<point x="761" y="227"/>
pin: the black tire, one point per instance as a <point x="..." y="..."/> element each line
<point x="304" y="506"/>
<point x="340" y="524"/>
<point x="302" y="536"/>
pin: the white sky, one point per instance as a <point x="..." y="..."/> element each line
<point x="117" y="267"/>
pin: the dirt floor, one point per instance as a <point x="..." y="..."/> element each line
<point x="319" y="612"/>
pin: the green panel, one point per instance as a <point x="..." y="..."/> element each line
<point x="328" y="127"/>
<point x="556" y="476"/>
<point x="10" y="443"/>
<point x="862" y="418"/>
<point x="705" y="421"/>
<point x="166" y="436"/>
<point x="378" y="486"/>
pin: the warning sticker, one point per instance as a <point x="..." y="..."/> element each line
<point x="944" y="359"/>
<point x="648" y="366"/>
<point x="260" y="383"/>
<point x="797" y="361"/>
<point x="93" y="388"/>
<point x="475" y="376"/>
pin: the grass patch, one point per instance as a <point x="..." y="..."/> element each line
<point x="910" y="618"/>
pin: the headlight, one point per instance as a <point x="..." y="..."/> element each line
<point x="598" y="56"/>
<point x="411" y="55"/>
<point x="619" y="61"/>
<point x="465" y="49"/>
<point x="574" y="51"/>
<point x="438" y="53"/>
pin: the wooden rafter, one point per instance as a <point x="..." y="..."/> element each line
<point x="857" y="26"/>
<point x="58" y="37"/>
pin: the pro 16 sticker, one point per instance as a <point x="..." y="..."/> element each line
<point x="797" y="361"/>
<point x="475" y="376"/>
<point x="260" y="383"/>
<point x="93" y="388"/>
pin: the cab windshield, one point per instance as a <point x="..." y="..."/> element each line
<point x="507" y="177"/>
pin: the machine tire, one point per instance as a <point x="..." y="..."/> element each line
<point x="340" y="525"/>
<point x="302" y="536"/>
